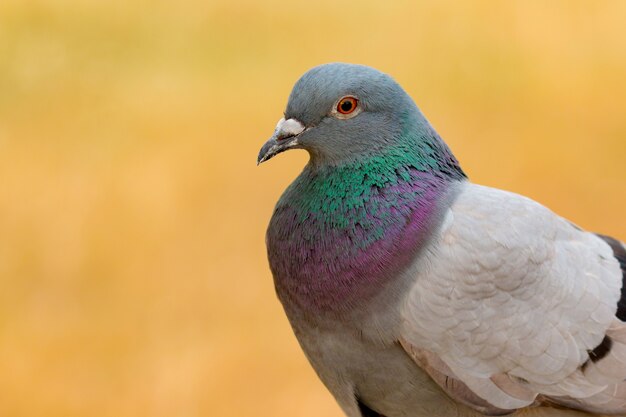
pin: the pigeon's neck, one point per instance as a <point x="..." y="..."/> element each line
<point x="340" y="234"/>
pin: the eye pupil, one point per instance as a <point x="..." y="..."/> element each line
<point x="347" y="105"/>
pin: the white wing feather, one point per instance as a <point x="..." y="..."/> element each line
<point x="512" y="298"/>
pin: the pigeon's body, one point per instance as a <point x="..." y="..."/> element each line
<point x="414" y="292"/>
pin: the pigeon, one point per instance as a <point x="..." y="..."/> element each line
<point x="415" y="292"/>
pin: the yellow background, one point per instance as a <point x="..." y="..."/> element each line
<point x="133" y="278"/>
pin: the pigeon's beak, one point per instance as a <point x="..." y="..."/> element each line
<point x="285" y="137"/>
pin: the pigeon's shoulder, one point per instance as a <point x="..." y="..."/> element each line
<point x="515" y="304"/>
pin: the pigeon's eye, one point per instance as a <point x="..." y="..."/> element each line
<point x="347" y="105"/>
<point x="346" y="108"/>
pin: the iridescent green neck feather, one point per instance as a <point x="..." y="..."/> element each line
<point x="341" y="231"/>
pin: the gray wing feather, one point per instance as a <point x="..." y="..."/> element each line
<point x="512" y="303"/>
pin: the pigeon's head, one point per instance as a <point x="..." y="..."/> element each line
<point x="341" y="111"/>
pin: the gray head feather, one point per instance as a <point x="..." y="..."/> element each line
<point x="386" y="118"/>
<point x="330" y="140"/>
<point x="318" y="89"/>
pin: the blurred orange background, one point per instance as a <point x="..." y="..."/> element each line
<point x="132" y="214"/>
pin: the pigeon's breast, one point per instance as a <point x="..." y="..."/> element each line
<point x="335" y="260"/>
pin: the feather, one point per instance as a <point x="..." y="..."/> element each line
<point x="544" y="301"/>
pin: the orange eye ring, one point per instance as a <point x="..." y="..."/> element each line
<point x="347" y="105"/>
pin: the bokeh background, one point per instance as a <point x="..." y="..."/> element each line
<point x="133" y="278"/>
